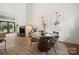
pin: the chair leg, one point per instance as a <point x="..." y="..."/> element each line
<point x="29" y="47"/>
<point x="5" y="46"/>
<point x="47" y="53"/>
<point x="55" y="50"/>
<point x="57" y="45"/>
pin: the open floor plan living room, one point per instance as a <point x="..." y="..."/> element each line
<point x="39" y="29"/>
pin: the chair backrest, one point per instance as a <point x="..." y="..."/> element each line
<point x="47" y="42"/>
<point x="43" y="44"/>
<point x="56" y="37"/>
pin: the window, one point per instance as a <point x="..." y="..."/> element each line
<point x="7" y="27"/>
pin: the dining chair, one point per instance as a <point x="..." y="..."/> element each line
<point x="33" y="39"/>
<point x="47" y="42"/>
<point x="2" y="40"/>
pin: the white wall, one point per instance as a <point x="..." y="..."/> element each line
<point x="69" y="29"/>
<point x="29" y="12"/>
<point x="17" y="10"/>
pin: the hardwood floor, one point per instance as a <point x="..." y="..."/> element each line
<point x="22" y="47"/>
<point x="73" y="49"/>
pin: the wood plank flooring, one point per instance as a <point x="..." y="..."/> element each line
<point x="22" y="47"/>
